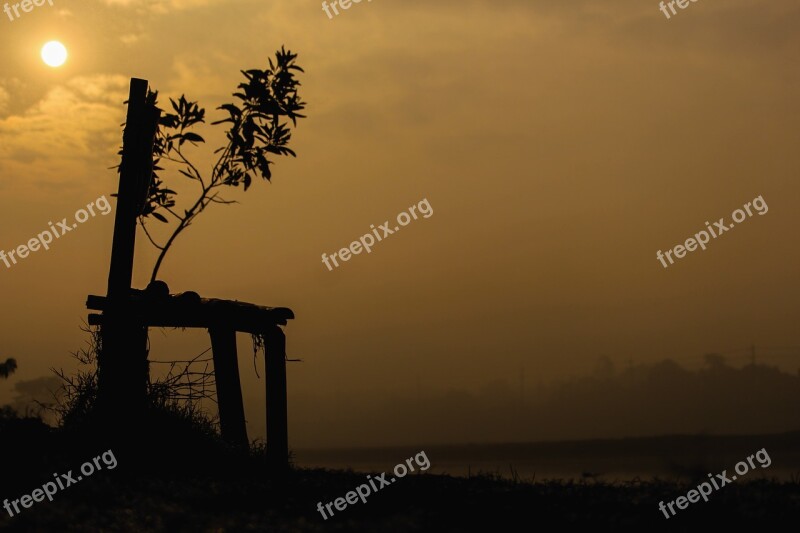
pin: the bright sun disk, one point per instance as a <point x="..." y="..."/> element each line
<point x="54" y="54"/>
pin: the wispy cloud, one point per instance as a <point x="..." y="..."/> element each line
<point x="163" y="6"/>
<point x="71" y="129"/>
<point x="4" y="98"/>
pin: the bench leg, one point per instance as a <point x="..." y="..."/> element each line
<point x="277" y="426"/>
<point x="123" y="374"/>
<point x="229" y="388"/>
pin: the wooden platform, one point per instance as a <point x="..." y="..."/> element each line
<point x="189" y="310"/>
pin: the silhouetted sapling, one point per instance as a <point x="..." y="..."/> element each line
<point x="259" y="127"/>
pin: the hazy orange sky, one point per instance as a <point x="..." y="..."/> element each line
<point x="560" y="146"/>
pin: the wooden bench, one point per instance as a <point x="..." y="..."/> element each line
<point x="127" y="313"/>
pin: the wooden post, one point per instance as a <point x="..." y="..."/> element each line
<point x="277" y="428"/>
<point x="229" y="388"/>
<point x="135" y="177"/>
<point x="122" y="362"/>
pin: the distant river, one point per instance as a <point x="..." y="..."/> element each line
<point x="669" y="457"/>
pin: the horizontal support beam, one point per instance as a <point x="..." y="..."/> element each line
<point x="188" y="310"/>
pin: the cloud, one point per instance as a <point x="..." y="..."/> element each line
<point x="162" y="6"/>
<point x="4" y="98"/>
<point x="73" y="128"/>
<point x="130" y="39"/>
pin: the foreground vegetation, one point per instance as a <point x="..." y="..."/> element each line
<point x="178" y="480"/>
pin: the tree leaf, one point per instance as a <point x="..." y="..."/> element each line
<point x="193" y="138"/>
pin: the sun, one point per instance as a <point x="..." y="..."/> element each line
<point x="54" y="54"/>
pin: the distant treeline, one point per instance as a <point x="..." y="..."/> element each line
<point x="644" y="400"/>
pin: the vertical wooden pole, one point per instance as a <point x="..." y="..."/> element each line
<point x="277" y="426"/>
<point x="122" y="362"/>
<point x="229" y="388"/>
<point x="136" y="169"/>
